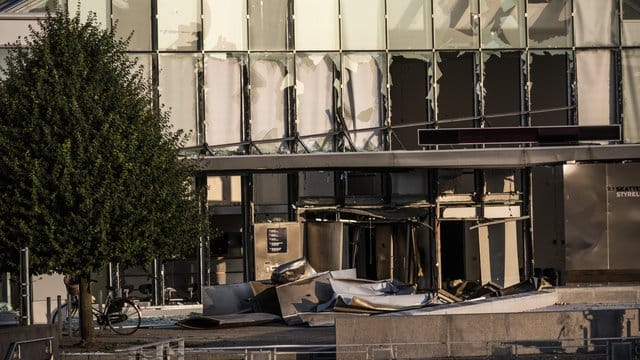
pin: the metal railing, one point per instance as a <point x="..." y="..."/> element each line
<point x="15" y="351"/>
<point x="597" y="348"/>
<point x="157" y="350"/>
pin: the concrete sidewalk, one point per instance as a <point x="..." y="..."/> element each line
<point x="264" y="335"/>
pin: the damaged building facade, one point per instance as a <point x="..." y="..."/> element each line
<point x="304" y="119"/>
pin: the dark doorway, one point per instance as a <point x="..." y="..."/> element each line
<point x="452" y="253"/>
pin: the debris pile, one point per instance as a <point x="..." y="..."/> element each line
<point x="298" y="295"/>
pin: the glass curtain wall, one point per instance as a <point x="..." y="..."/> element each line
<point x="287" y="76"/>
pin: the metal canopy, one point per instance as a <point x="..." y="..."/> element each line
<point x="389" y="160"/>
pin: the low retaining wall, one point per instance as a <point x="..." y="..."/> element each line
<point x="37" y="350"/>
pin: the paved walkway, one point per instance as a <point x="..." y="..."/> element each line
<point x="263" y="335"/>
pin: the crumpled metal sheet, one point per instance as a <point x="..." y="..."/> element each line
<point x="365" y="296"/>
<point x="292" y="271"/>
<point x="227" y="299"/>
<point x="306" y="294"/>
<point x="228" y="320"/>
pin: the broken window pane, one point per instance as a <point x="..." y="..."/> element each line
<point x="502" y="23"/>
<point x="317" y="25"/>
<point x="409" y="24"/>
<point x="455" y="85"/>
<point x="99" y="8"/>
<point x="414" y="183"/>
<point x="178" y="24"/>
<point x="455" y="181"/>
<point x="549" y="23"/>
<point x="271" y="82"/>
<point x="268" y="25"/>
<point x="316" y="92"/>
<point x="549" y="88"/>
<point x="501" y="181"/>
<point x="364" y="86"/>
<point x="631" y="91"/>
<point x="363" y="24"/>
<point x="630" y="22"/>
<point x="411" y="79"/>
<point x="223" y="83"/>
<point x="455" y="24"/>
<point x="270" y="189"/>
<point x="595" y="92"/>
<point x="178" y="92"/>
<point x="225" y="24"/>
<point x="503" y="88"/>
<point x="314" y="184"/>
<point x="596" y="22"/>
<point x="134" y="18"/>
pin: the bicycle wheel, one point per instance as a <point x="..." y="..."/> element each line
<point x="125" y="319"/>
<point x="61" y="315"/>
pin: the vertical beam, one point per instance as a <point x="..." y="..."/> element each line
<point x="25" y="285"/>
<point x="203" y="248"/>
<point x="485" y="254"/>
<point x="528" y="261"/>
<point x="292" y="195"/>
<point x="247" y="227"/>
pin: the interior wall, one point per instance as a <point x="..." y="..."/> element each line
<point x="410" y="85"/>
<point x="456" y="91"/>
<point x="502" y="88"/>
<point x="549" y="77"/>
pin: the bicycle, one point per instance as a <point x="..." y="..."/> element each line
<point x="121" y="315"/>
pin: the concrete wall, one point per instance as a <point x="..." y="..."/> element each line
<point x="9" y="335"/>
<point x="46" y="286"/>
<point x="483" y="334"/>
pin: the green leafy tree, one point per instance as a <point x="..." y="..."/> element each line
<point x="90" y="173"/>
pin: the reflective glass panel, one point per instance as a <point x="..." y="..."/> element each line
<point x="178" y="92"/>
<point x="596" y="22"/>
<point x="223" y="83"/>
<point x="25" y="7"/>
<point x="549" y="23"/>
<point x="631" y="22"/>
<point x="4" y="53"/>
<point x="268" y="25"/>
<point x="144" y="61"/>
<point x="362" y="24"/>
<point x="225" y="25"/>
<point x="316" y="25"/>
<point x="455" y="24"/>
<point x="178" y="24"/>
<point x="364" y="85"/>
<point x="100" y="8"/>
<point x="593" y="70"/>
<point x="409" y="24"/>
<point x="315" y="100"/>
<point x="630" y="95"/>
<point x="11" y="30"/>
<point x="134" y="18"/>
<point x="271" y="84"/>
<point x="502" y="23"/>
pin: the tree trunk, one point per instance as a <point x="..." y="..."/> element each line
<point x="86" y="318"/>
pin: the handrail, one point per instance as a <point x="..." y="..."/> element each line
<point x="16" y="345"/>
<point x="159" y="348"/>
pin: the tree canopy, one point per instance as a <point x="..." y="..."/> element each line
<point x="90" y="172"/>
